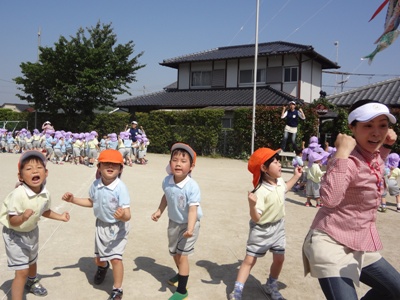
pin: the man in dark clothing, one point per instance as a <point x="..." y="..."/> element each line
<point x="292" y="116"/>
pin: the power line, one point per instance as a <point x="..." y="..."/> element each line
<point x="360" y="74"/>
<point x="6" y="80"/>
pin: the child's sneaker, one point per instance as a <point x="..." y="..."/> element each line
<point x="271" y="288"/>
<point x="398" y="209"/>
<point x="178" y="296"/>
<point x="173" y="281"/>
<point x="101" y="274"/>
<point x="235" y="295"/>
<point x="382" y="209"/>
<point x="34" y="287"/>
<point x="116" y="294"/>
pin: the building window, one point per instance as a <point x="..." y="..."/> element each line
<point x="201" y="78"/>
<point x="227" y="123"/>
<point x="246" y="76"/>
<point x="291" y="74"/>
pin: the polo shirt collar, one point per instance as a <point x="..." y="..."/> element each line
<point x="111" y="186"/>
<point x="271" y="187"/>
<point x="31" y="193"/>
<point x="179" y="184"/>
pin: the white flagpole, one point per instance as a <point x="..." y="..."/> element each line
<point x="253" y="130"/>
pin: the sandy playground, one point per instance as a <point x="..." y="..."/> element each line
<point x="66" y="249"/>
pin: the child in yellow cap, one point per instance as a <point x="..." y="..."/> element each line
<point x="112" y="217"/>
<point x="267" y="226"/>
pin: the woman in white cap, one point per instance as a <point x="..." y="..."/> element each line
<point x="47" y="126"/>
<point x="292" y="116"/>
<point x="343" y="244"/>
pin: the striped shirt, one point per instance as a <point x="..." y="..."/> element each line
<point x="350" y="193"/>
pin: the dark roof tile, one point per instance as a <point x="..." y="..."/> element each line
<point x="387" y="92"/>
<point x="243" y="51"/>
<point x="205" y="98"/>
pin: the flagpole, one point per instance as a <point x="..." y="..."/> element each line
<point x="38" y="54"/>
<point x="253" y="129"/>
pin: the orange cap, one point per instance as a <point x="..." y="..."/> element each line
<point x="111" y="156"/>
<point x="258" y="158"/>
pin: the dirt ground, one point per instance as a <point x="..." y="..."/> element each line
<point x="66" y="249"/>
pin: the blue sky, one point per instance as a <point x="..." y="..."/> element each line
<point x="168" y="28"/>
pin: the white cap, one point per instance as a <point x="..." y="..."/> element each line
<point x="134" y="122"/>
<point x="369" y="111"/>
<point x="292" y="102"/>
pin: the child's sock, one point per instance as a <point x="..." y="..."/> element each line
<point x="182" y="283"/>
<point x="271" y="280"/>
<point x="32" y="278"/>
<point x="238" y="289"/>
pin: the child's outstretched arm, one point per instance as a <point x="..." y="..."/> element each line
<point x="163" y="204"/>
<point x="56" y="216"/>
<point x="85" y="202"/>
<point x="192" y="218"/>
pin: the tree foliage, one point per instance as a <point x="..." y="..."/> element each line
<point x="81" y="74"/>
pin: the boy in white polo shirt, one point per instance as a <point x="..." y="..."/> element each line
<point x="182" y="196"/>
<point x="20" y="214"/>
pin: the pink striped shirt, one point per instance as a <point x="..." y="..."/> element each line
<point x="350" y="193"/>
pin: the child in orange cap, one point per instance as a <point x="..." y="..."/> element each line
<point x="267" y="211"/>
<point x="110" y="200"/>
<point x="182" y="199"/>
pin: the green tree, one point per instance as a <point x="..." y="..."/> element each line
<point x="80" y="74"/>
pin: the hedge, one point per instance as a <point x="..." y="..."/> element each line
<point x="202" y="128"/>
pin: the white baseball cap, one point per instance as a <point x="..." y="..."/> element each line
<point x="369" y="111"/>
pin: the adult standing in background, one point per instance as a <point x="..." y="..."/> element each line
<point x="47" y="126"/>
<point x="134" y="131"/>
<point x="292" y="116"/>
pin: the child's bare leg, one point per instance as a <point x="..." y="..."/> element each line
<point x="308" y="201"/>
<point x="18" y="284"/>
<point x="277" y="264"/>
<point x="100" y="263"/>
<point x="118" y="273"/>
<point x="245" y="268"/>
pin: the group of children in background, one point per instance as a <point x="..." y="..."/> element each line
<point x="314" y="160"/>
<point x="266" y="202"/>
<point x="79" y="148"/>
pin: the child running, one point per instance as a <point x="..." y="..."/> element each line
<point x="182" y="196"/>
<point x="267" y="224"/>
<point x="20" y="214"/>
<point x="110" y="200"/>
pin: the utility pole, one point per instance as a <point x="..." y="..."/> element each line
<point x="253" y="127"/>
<point x="38" y="53"/>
